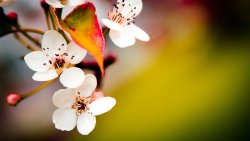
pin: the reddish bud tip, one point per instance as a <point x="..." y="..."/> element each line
<point x="44" y="5"/>
<point x="13" y="99"/>
<point x="97" y="95"/>
<point x="12" y="17"/>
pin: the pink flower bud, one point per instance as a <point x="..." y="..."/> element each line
<point x="13" y="99"/>
<point x="12" y="17"/>
<point x="97" y="95"/>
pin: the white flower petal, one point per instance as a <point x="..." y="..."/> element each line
<point x="37" y="61"/>
<point x="5" y="3"/>
<point x="101" y="105"/>
<point x="131" y="8"/>
<point x="64" y="98"/>
<point x="45" y="76"/>
<point x="53" y="43"/>
<point x="138" y="32"/>
<point x="64" y="119"/>
<point x="86" y="123"/>
<point x="55" y="3"/>
<point x="88" y="86"/>
<point x="76" y="2"/>
<point x="112" y="25"/>
<point x="75" y="54"/>
<point x="72" y="77"/>
<point x="122" y="38"/>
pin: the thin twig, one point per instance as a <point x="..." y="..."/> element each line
<point x="47" y="19"/>
<point x="35" y="41"/>
<point x="37" y="31"/>
<point x="25" y="43"/>
<point x="55" y="23"/>
<point x="64" y="35"/>
<point x="37" y="89"/>
<point x="52" y="17"/>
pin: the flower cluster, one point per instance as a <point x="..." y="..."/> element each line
<point x="123" y="31"/>
<point x="61" y="55"/>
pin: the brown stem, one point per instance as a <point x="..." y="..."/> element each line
<point x="52" y="17"/>
<point x="37" y="89"/>
<point x="35" y="41"/>
<point x="48" y="21"/>
<point x="25" y="43"/>
<point x="37" y="31"/>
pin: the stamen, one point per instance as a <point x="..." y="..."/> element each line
<point x="115" y="6"/>
<point x="80" y="105"/>
<point x="65" y="54"/>
<point x="116" y="17"/>
<point x="59" y="63"/>
<point x="119" y="16"/>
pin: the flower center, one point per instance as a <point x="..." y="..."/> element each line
<point x="59" y="63"/>
<point x="116" y="17"/>
<point x="123" y="14"/>
<point x="80" y="105"/>
<point x="64" y="2"/>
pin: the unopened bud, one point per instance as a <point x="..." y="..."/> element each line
<point x="13" y="99"/>
<point x="97" y="95"/>
<point x="13" y="18"/>
<point x="44" y="5"/>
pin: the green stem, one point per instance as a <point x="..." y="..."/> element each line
<point x="39" y="88"/>
<point x="47" y="19"/>
<point x="25" y="43"/>
<point x="35" y="41"/>
<point x="37" y="31"/>
<point x="53" y="18"/>
<point x="64" y="35"/>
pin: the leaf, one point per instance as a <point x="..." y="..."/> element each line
<point x="83" y="26"/>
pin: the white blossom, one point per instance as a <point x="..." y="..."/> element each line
<point x="123" y="31"/>
<point x="57" y="58"/>
<point x="78" y="107"/>
<point x="62" y="3"/>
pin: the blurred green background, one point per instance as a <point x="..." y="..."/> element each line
<point x="189" y="83"/>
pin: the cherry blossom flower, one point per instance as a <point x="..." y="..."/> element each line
<point x="78" y="107"/>
<point x="123" y="31"/>
<point x="57" y="58"/>
<point x="4" y="3"/>
<point x="62" y="3"/>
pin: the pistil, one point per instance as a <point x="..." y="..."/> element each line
<point x="80" y="105"/>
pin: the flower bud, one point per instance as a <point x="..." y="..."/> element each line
<point x="97" y="95"/>
<point x="13" y="18"/>
<point x="13" y="99"/>
<point x="44" y="5"/>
